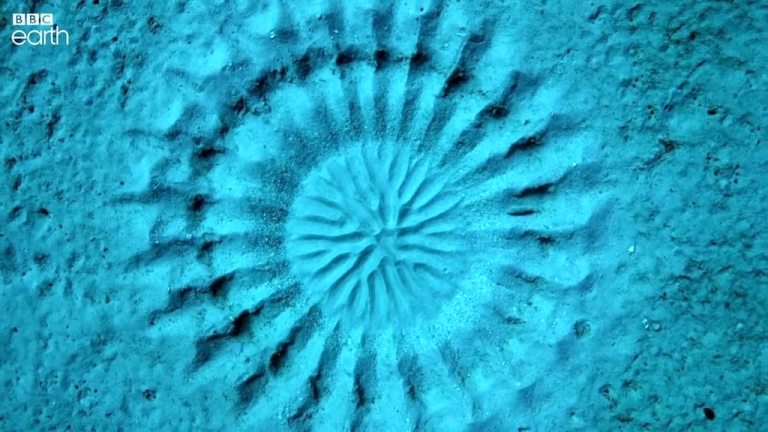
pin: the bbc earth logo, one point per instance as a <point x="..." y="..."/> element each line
<point x="52" y="36"/>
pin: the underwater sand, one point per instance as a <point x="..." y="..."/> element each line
<point x="417" y="216"/>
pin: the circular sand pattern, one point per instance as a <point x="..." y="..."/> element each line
<point x="359" y="168"/>
<point x="374" y="235"/>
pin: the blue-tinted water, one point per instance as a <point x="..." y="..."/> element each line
<point x="408" y="216"/>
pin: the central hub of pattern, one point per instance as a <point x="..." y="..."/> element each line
<point x="374" y="235"/>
